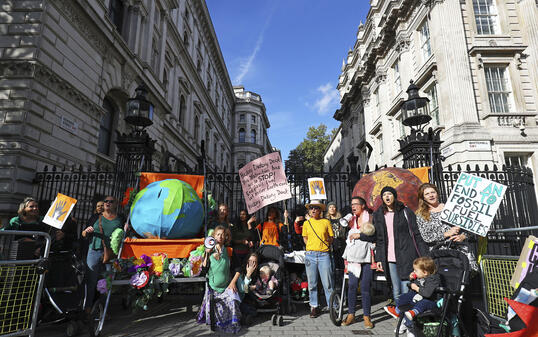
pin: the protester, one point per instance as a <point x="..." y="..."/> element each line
<point x="300" y="217"/>
<point x="99" y="234"/>
<point x="399" y="242"/>
<point x="269" y="230"/>
<point x="339" y="242"/>
<point x="318" y="236"/>
<point x="222" y="290"/>
<point x="222" y="218"/>
<point x="424" y="281"/>
<point x="248" y="276"/>
<point x="358" y="254"/>
<point x="436" y="232"/>
<point x="242" y="238"/>
<point x="99" y="209"/>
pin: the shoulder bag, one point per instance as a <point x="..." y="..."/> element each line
<point x="411" y="232"/>
<point x="108" y="254"/>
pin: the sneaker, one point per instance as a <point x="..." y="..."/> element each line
<point x="391" y="310"/>
<point x="402" y="329"/>
<point x="410" y="314"/>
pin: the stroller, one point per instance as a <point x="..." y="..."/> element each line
<point x="273" y="257"/>
<point x="454" y="269"/>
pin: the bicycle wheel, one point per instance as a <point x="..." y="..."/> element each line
<point x="334" y="309"/>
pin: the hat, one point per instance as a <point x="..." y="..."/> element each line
<point x="389" y="189"/>
<point x="331" y="203"/>
<point x="318" y="203"/>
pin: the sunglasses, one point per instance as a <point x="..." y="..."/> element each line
<point x="315" y="207"/>
<point x="109" y="201"/>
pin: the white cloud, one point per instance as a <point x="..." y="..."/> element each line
<point x="329" y="99"/>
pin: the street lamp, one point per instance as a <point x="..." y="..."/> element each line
<point x="415" y="109"/>
<point x="139" y="109"/>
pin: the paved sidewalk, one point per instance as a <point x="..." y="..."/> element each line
<point x="175" y="316"/>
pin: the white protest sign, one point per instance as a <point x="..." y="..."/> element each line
<point x="473" y="202"/>
<point x="264" y="182"/>
<point x="59" y="210"/>
<point x="316" y="187"/>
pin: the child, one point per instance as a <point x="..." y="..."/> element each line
<point x="270" y="229"/>
<point x="358" y="251"/>
<point x="424" y="280"/>
<point x="266" y="283"/>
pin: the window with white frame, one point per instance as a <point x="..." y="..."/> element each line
<point x="486" y="18"/>
<point x="431" y="93"/>
<point x="499" y="90"/>
<point x="242" y="118"/>
<point x="397" y="80"/>
<point x="425" y="41"/>
<point x="380" y="146"/>
<point x="516" y="159"/>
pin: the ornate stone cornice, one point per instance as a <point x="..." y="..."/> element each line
<point x="43" y="74"/>
<point x="82" y="22"/>
<point x="402" y="43"/>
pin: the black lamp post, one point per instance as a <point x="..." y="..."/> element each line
<point x="419" y="148"/>
<point x="139" y="109"/>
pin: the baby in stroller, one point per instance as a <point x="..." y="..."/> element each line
<point x="266" y="283"/>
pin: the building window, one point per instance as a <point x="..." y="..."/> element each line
<point x="516" y="159"/>
<point x="431" y="93"/>
<point x="182" y="109"/>
<point x="397" y="80"/>
<point x="380" y="146"/>
<point x="215" y="151"/>
<point x="186" y="38"/>
<point x="253" y="136"/>
<point x="115" y="13"/>
<point x="105" y="128"/>
<point x="425" y="41"/>
<point x="253" y="118"/>
<point x="498" y="88"/>
<point x="196" y="128"/>
<point x="242" y="118"/>
<point x="486" y="18"/>
<point x="241" y="135"/>
<point x="207" y="143"/>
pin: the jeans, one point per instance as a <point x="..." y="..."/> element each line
<point x="418" y="307"/>
<point x="94" y="263"/>
<point x="314" y="262"/>
<point x="398" y="286"/>
<point x="366" y="281"/>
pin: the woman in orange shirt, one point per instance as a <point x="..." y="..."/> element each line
<point x="269" y="231"/>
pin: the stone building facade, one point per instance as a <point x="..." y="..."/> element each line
<point x="251" y="124"/>
<point x="67" y="69"/>
<point x="476" y="61"/>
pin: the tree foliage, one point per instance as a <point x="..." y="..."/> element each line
<point x="308" y="155"/>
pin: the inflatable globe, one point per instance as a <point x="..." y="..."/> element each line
<point x="167" y="209"/>
<point x="406" y="184"/>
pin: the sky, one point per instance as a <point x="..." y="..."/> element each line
<point x="289" y="52"/>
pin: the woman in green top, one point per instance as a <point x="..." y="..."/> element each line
<point x="98" y="232"/>
<point x="222" y="290"/>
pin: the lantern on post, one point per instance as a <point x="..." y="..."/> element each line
<point x="415" y="108"/>
<point x="139" y="109"/>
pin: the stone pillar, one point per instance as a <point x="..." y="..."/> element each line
<point x="449" y="46"/>
<point x="528" y="19"/>
<point x="162" y="47"/>
<point x="149" y="36"/>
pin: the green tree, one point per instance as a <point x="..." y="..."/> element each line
<point x="308" y="155"/>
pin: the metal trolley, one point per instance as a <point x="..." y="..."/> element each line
<point x="21" y="280"/>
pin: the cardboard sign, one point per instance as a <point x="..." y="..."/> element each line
<point x="316" y="187"/>
<point x="473" y="202"/>
<point x="59" y="211"/>
<point x="528" y="261"/>
<point x="264" y="182"/>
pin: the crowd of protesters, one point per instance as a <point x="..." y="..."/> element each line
<point x="390" y="239"/>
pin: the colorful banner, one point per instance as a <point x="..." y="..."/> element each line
<point x="422" y="173"/>
<point x="316" y="187"/>
<point x="473" y="202"/>
<point x="264" y="182"/>
<point x="197" y="182"/>
<point x="528" y="261"/>
<point x="59" y="211"/>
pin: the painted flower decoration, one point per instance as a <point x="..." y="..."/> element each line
<point x="175" y="267"/>
<point x="102" y="286"/>
<point x="157" y="260"/>
<point x="143" y="262"/>
<point x="140" y="280"/>
<point x="196" y="266"/>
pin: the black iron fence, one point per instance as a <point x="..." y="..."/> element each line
<point x="518" y="209"/>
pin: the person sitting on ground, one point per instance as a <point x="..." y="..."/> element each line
<point x="424" y="281"/>
<point x="266" y="283"/>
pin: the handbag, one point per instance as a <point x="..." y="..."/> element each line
<point x="411" y="233"/>
<point x="108" y="254"/>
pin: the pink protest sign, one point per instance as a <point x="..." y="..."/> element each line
<point x="264" y="182"/>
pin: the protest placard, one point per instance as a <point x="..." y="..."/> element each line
<point x="473" y="202"/>
<point x="316" y="187"/>
<point x="59" y="210"/>
<point x="264" y="182"/>
<point x="528" y="261"/>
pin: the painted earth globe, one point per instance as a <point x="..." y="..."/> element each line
<point x="406" y="184"/>
<point x="167" y="209"/>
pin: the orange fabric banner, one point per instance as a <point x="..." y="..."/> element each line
<point x="179" y="248"/>
<point x="197" y="182"/>
<point x="421" y="173"/>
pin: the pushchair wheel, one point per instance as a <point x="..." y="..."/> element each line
<point x="335" y="311"/>
<point x="98" y="310"/>
<point x="71" y="329"/>
<point x="274" y="319"/>
<point x="280" y="320"/>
